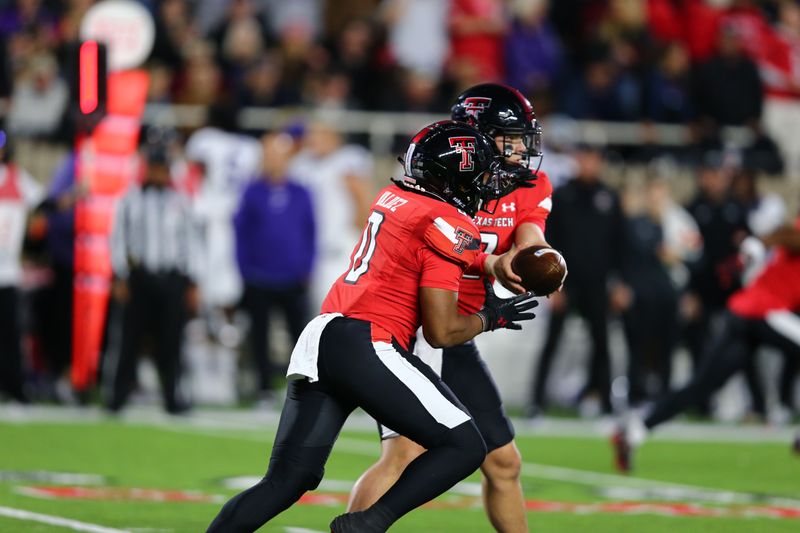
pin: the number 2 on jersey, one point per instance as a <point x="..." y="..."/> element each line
<point x="365" y="248"/>
<point x="489" y="241"/>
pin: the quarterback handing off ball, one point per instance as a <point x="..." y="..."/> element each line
<point x="542" y="269"/>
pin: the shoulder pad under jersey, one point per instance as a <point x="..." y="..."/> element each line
<point x="455" y="238"/>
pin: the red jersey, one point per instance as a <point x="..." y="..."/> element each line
<point x="410" y="241"/>
<point x="497" y="231"/>
<point x="776" y="288"/>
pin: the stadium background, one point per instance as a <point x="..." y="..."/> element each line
<point x="620" y="75"/>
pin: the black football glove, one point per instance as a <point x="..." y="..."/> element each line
<point x="505" y="312"/>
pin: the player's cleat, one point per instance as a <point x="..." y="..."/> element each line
<point x="376" y="519"/>
<point x="796" y="443"/>
<point x="348" y="523"/>
<point x="622" y="450"/>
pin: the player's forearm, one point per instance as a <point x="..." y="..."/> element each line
<point x="457" y="330"/>
<point x="787" y="237"/>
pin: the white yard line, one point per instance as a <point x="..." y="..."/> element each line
<point x="51" y="520"/>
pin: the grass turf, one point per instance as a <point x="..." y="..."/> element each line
<point x="181" y="456"/>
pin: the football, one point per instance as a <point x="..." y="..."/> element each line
<point x="542" y="269"/>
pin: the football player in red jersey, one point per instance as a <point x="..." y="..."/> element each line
<point x="403" y="273"/>
<point x="767" y="311"/>
<point x="516" y="220"/>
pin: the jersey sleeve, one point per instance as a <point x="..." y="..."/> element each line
<point x="536" y="203"/>
<point x="455" y="239"/>
<point x="437" y="272"/>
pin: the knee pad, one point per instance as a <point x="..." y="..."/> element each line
<point x="468" y="440"/>
<point x="304" y="467"/>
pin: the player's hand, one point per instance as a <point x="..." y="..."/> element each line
<point x="120" y="291"/>
<point x="192" y="299"/>
<point x="505" y="312"/>
<point x="621" y="297"/>
<point x="499" y="266"/>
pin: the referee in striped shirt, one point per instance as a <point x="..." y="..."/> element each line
<point x="153" y="253"/>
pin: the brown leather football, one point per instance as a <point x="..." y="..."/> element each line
<point x="542" y="269"/>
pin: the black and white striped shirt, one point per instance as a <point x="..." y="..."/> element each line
<point x="154" y="230"/>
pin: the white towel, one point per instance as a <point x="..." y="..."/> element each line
<point x="303" y="363"/>
<point x="428" y="354"/>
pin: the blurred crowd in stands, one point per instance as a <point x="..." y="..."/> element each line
<point x="700" y="62"/>
<point x="274" y="213"/>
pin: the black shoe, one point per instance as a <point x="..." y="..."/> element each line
<point x="352" y="523"/>
<point x="796" y="444"/>
<point x="622" y="451"/>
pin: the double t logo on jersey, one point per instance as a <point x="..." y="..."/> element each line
<point x="466" y="147"/>
<point x="463" y="240"/>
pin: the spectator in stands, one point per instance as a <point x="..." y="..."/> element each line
<point x="668" y="90"/>
<point x="300" y="56"/>
<point x="241" y="48"/>
<point x="289" y="16"/>
<point x="174" y="30"/>
<point x="417" y="92"/>
<point x="330" y="89"/>
<point x="533" y="52"/>
<point x="353" y="55"/>
<point x="693" y="23"/>
<point x="262" y="85"/>
<point x="201" y="81"/>
<point x="19" y="193"/>
<point x="153" y="248"/>
<point x="417" y="34"/>
<point x="338" y="177"/>
<point x="727" y="87"/>
<point x="781" y="76"/>
<point x="748" y="20"/>
<point x="336" y="16"/>
<point x="275" y="246"/>
<point x="159" y="90"/>
<point x="29" y="14"/>
<point x="603" y="90"/>
<point x="39" y="100"/>
<point x="586" y="225"/>
<point x="477" y="31"/>
<point x="240" y="13"/>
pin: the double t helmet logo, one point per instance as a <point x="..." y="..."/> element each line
<point x="466" y="147"/>
<point x="475" y="105"/>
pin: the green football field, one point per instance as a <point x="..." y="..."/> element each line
<point x="70" y="470"/>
